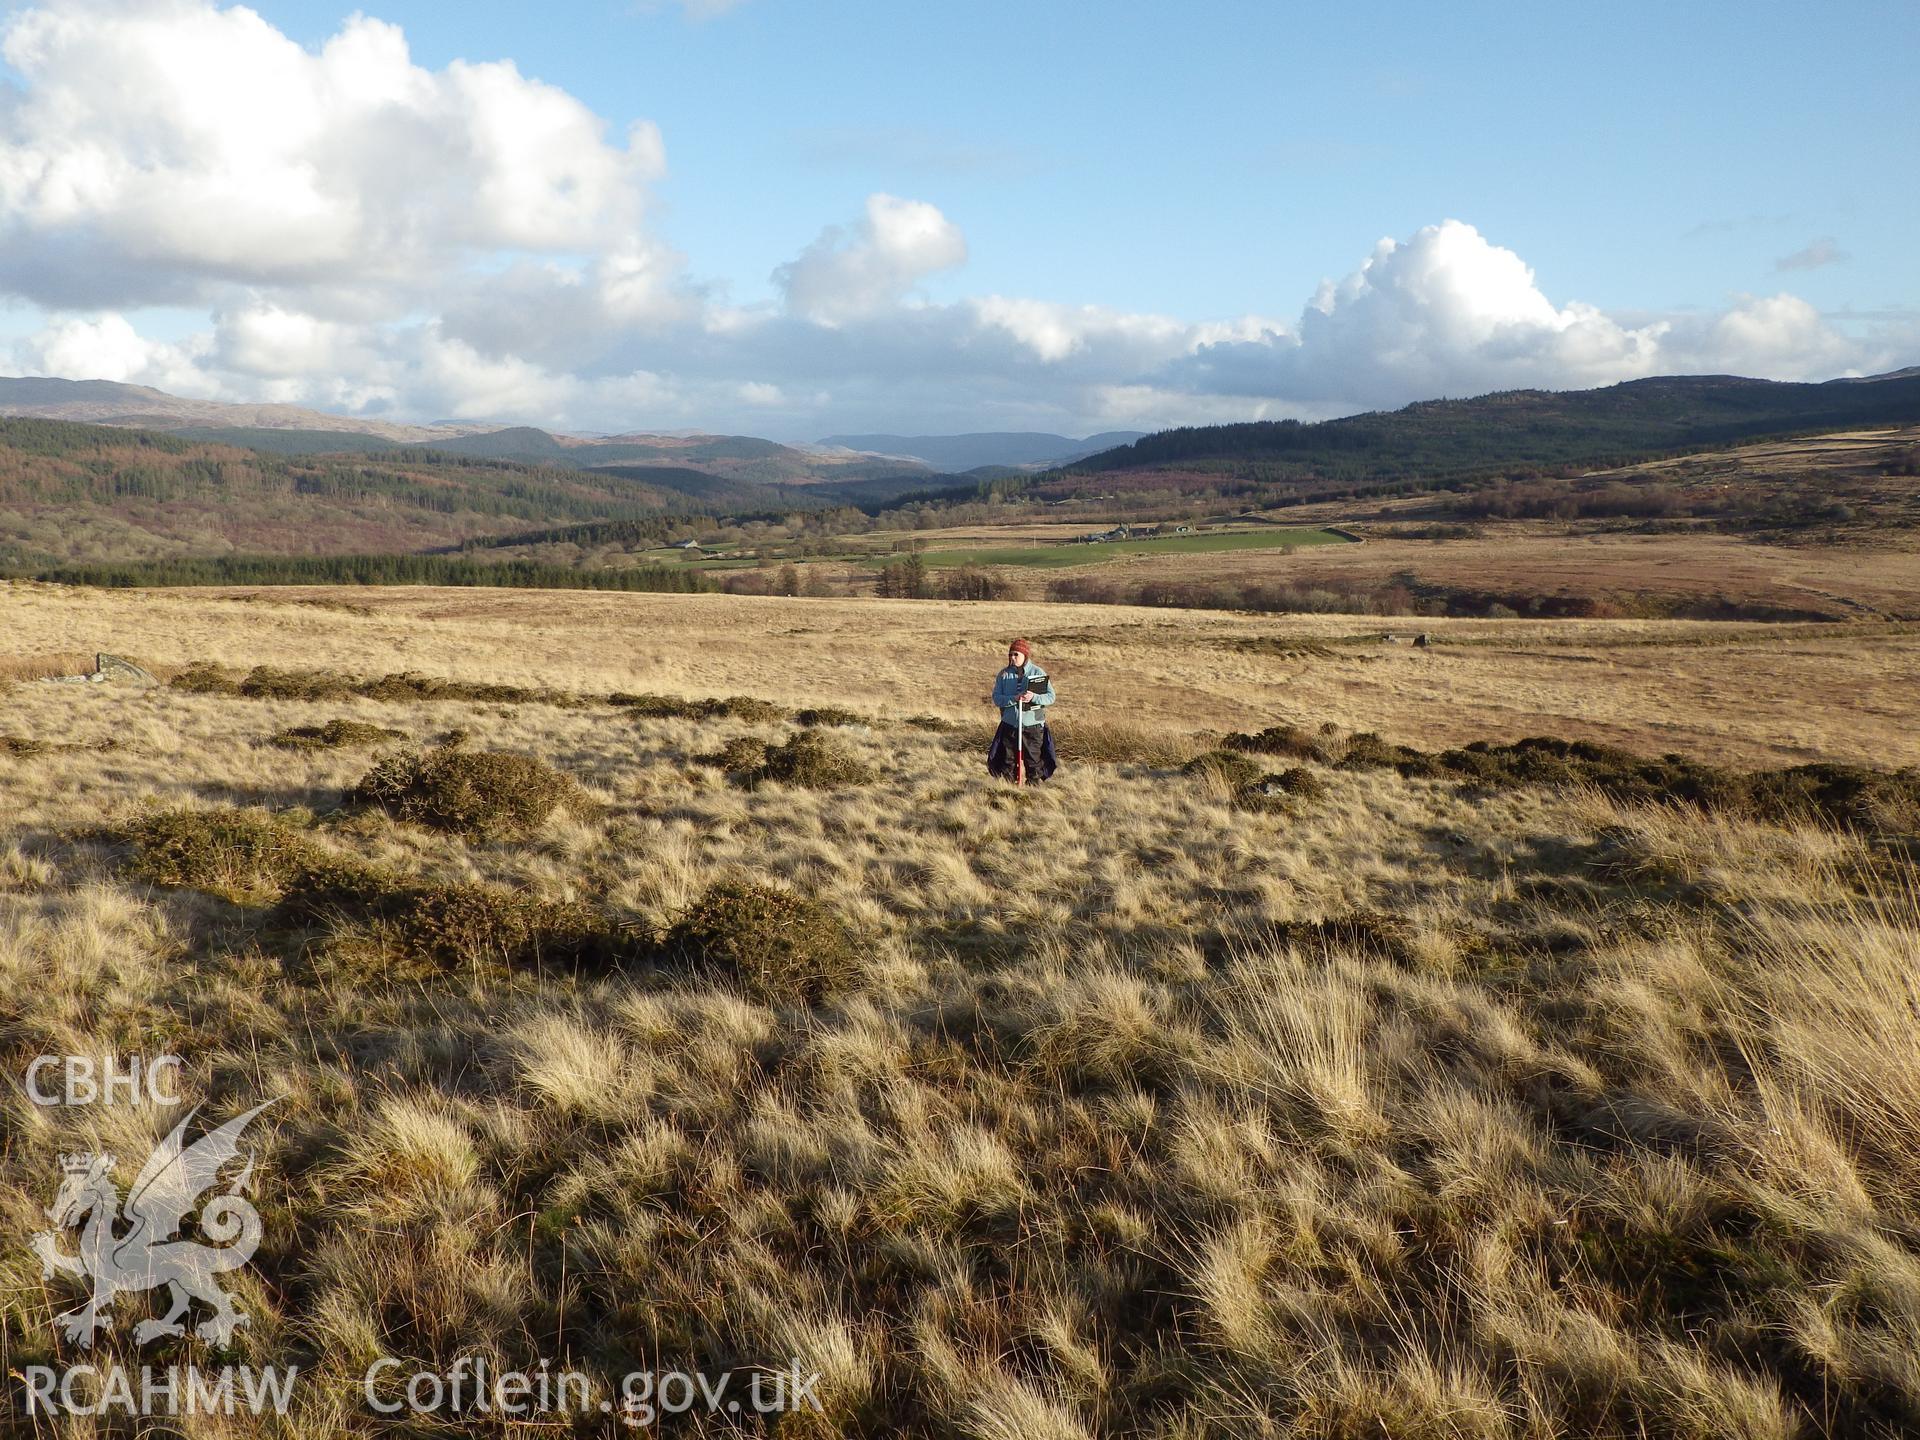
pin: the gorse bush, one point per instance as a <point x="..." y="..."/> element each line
<point x="241" y="855"/>
<point x="265" y="682"/>
<point x="674" y="707"/>
<point x="752" y="711"/>
<point x="828" y="715"/>
<point x="364" y="923"/>
<point x="268" y="682"/>
<point x="203" y="677"/>
<point x="1282" y="740"/>
<point x="1271" y="792"/>
<point x="811" y="760"/>
<point x="741" y="756"/>
<point x="778" y="946"/>
<point x="1298" y="780"/>
<point x="1851" y="796"/>
<point x="481" y="794"/>
<point x="1227" y="766"/>
<point x="334" y="735"/>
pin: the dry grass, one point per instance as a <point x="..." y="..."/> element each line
<point x="1408" y="1107"/>
<point x="1634" y="574"/>
<point x="1731" y="694"/>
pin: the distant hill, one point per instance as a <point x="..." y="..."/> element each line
<point x="709" y="470"/>
<point x="729" y="470"/>
<point x="1515" y="430"/>
<point x="107" y="402"/>
<point x="70" y="491"/>
<point x="1014" y="449"/>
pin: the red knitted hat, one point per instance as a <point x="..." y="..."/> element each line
<point x="1024" y="647"/>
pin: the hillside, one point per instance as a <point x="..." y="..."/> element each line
<point x="1524" y="431"/>
<point x="739" y="469"/>
<point x="757" y="470"/>
<point x="73" y="492"/>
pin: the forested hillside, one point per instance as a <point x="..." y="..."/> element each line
<point x="85" y="492"/>
<point x="1526" y="431"/>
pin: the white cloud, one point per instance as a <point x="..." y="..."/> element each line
<point x="1055" y="332"/>
<point x="1447" y="312"/>
<point x="273" y="343"/>
<point x="362" y="232"/>
<point x="869" y="266"/>
<point x="1780" y="337"/>
<point x="169" y="145"/>
<point x="1811" y="256"/>
<point x="107" y="347"/>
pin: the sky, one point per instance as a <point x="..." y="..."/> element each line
<point x="800" y="217"/>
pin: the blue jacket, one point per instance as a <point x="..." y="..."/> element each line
<point x="1006" y="692"/>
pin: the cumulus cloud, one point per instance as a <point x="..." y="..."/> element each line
<point x="364" y="233"/>
<point x="1447" y="312"/>
<point x="107" y="347"/>
<point x="869" y="266"/>
<point x="1811" y="256"/>
<point x="1780" y="336"/>
<point x="170" y="146"/>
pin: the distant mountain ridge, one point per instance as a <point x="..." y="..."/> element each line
<point x="1541" y="428"/>
<point x="296" y="430"/>
<point x="710" y="471"/>
<point x="72" y="490"/>
<point x="1012" y="448"/>
<point x="108" y="402"/>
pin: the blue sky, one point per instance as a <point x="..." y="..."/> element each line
<point x="1648" y="155"/>
<point x="1126" y="210"/>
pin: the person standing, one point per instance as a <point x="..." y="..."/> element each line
<point x="1022" y="747"/>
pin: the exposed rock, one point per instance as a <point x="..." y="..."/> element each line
<point x="113" y="667"/>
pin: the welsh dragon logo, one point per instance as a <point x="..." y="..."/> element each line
<point x="149" y="1255"/>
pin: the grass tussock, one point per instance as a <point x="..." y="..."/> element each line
<point x="1504" y="1109"/>
<point x="337" y="734"/>
<point x="54" y="665"/>
<point x="1116" y="743"/>
<point x="484" y="795"/>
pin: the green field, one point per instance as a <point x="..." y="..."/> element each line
<point x="1055" y="556"/>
